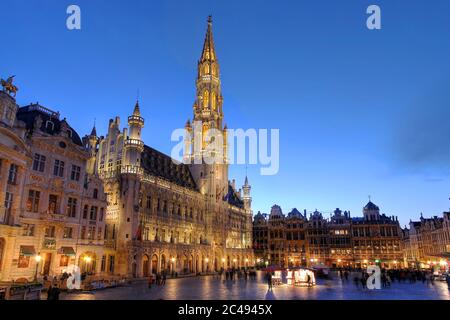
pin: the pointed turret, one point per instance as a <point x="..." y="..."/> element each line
<point x="134" y="144"/>
<point x="246" y="188"/>
<point x="90" y="143"/>
<point x="209" y="52"/>
<point x="137" y="110"/>
<point x="94" y="131"/>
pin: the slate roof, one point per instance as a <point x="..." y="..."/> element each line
<point x="29" y="114"/>
<point x="161" y="165"/>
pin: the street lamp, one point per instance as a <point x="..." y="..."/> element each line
<point x="38" y="259"/>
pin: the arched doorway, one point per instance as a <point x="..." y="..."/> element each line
<point x="134" y="269"/>
<point x="155" y="264"/>
<point x="145" y="265"/>
<point x="185" y="264"/>
<point x="2" y="249"/>
<point x="216" y="267"/>
<point x="191" y="263"/>
<point x="197" y="266"/>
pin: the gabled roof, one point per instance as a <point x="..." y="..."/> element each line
<point x="371" y="206"/>
<point x="232" y="198"/>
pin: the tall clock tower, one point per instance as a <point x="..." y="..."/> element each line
<point x="211" y="175"/>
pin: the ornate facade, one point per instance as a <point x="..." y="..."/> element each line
<point x="52" y="207"/>
<point x="341" y="240"/>
<point x="168" y="216"/>
<point x="427" y="241"/>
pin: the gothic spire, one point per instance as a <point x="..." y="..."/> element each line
<point x="94" y="131"/>
<point x="137" y="111"/>
<point x="208" y="53"/>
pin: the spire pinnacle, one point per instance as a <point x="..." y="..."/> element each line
<point x="208" y="53"/>
<point x="137" y="111"/>
<point x="94" y="130"/>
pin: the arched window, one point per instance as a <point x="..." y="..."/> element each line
<point x="214" y="70"/>
<point x="49" y="125"/>
<point x="205" y="99"/>
<point x="206" y="69"/>
<point x="213" y="100"/>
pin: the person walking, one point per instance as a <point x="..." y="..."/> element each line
<point x="55" y="292"/>
<point x="164" y="277"/>
<point x="150" y="281"/>
<point x="269" y="281"/>
<point x="50" y="292"/>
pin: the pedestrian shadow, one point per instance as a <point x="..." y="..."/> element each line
<point x="270" y="295"/>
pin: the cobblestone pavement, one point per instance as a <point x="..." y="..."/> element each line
<point x="208" y="288"/>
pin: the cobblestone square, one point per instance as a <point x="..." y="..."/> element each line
<point x="212" y="288"/>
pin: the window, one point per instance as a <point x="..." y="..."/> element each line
<point x="64" y="261"/>
<point x="103" y="264"/>
<point x="91" y="233"/>
<point x="33" y="201"/>
<point x="24" y="261"/>
<point x="12" y="175"/>
<point x="72" y="207"/>
<point x="53" y="204"/>
<point x="99" y="234"/>
<point x="8" y="202"/>
<point x="111" y="264"/>
<point x="95" y="195"/>
<point x="102" y="213"/>
<point x="50" y="232"/>
<point x="28" y="230"/>
<point x="75" y="174"/>
<point x="67" y="233"/>
<point x="85" y="211"/>
<point x="93" y="214"/>
<point x="49" y="125"/>
<point x="58" y="169"/>
<point x="39" y="162"/>
<point x="205" y="99"/>
<point x="83" y="232"/>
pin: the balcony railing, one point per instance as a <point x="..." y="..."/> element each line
<point x="134" y="142"/>
<point x="135" y="119"/>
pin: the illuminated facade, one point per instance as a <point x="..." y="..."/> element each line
<point x="175" y="217"/>
<point x="52" y="207"/>
<point x="427" y="241"/>
<point x="336" y="242"/>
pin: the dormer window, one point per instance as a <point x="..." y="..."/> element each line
<point x="69" y="133"/>
<point x="49" y="125"/>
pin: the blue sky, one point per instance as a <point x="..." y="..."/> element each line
<point x="360" y="112"/>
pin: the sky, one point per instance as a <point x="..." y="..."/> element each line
<point x="360" y="112"/>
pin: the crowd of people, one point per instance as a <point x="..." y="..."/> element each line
<point x="390" y="276"/>
<point x="159" y="279"/>
<point x="231" y="274"/>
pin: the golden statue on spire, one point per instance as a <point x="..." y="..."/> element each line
<point x="9" y="87"/>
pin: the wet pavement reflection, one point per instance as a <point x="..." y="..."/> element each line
<point x="212" y="288"/>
